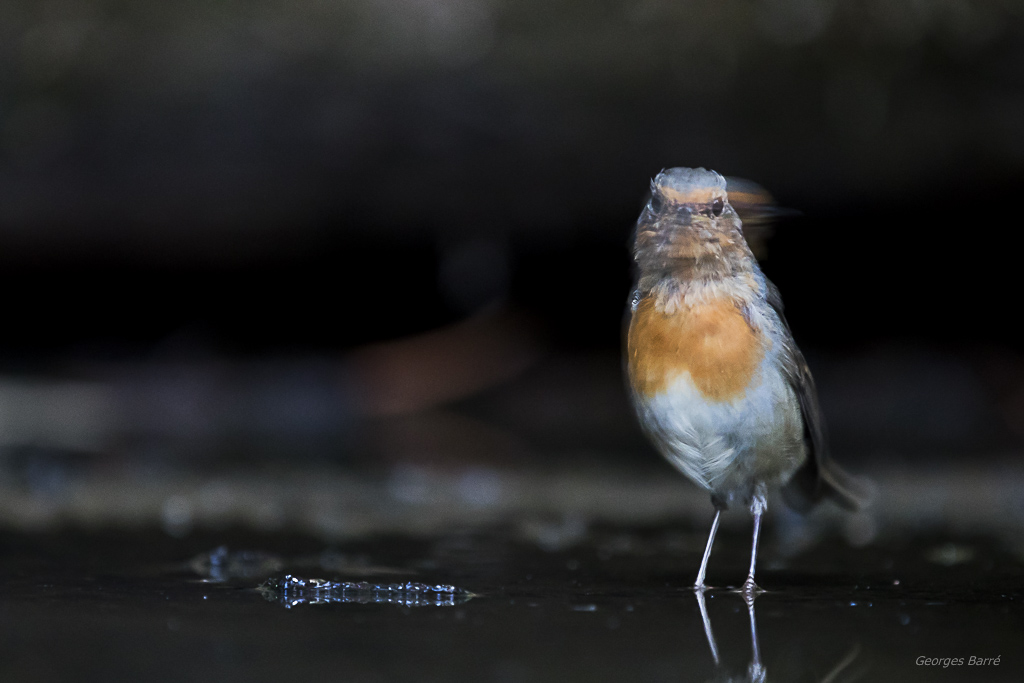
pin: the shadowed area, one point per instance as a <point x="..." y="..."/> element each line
<point x="328" y="298"/>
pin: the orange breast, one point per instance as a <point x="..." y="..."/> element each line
<point x="712" y="342"/>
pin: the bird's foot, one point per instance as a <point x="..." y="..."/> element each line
<point x="750" y="590"/>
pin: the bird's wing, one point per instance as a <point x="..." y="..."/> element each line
<point x="820" y="476"/>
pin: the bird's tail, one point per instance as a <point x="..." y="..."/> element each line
<point x="825" y="479"/>
<point x="848" y="490"/>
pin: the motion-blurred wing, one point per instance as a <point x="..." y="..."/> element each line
<point x="820" y="476"/>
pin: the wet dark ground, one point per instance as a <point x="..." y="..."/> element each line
<point x="612" y="603"/>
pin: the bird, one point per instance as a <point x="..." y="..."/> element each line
<point x="717" y="380"/>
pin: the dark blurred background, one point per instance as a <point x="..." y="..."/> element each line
<point x="379" y="233"/>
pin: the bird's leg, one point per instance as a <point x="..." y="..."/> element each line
<point x="758" y="505"/>
<point x="699" y="586"/>
<point x="707" y="625"/>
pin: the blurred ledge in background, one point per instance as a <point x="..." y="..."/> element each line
<point x="270" y="403"/>
<point x="544" y="443"/>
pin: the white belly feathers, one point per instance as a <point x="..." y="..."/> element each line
<point x="710" y="441"/>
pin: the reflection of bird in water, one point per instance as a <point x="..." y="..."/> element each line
<point x="717" y="380"/>
<point x="756" y="673"/>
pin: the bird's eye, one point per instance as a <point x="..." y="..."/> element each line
<point x="655" y="203"/>
<point x="717" y="206"/>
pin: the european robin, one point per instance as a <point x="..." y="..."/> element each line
<point x="718" y="383"/>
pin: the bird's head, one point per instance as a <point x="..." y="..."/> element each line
<point x="689" y="226"/>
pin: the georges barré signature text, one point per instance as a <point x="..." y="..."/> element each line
<point x="946" y="662"/>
